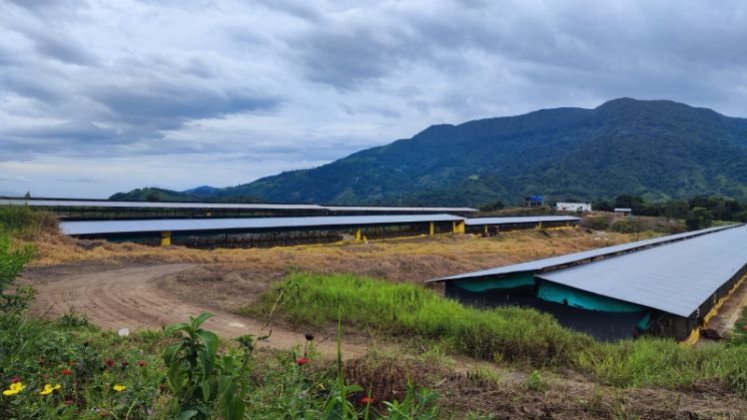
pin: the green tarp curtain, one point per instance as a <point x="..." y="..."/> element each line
<point x="481" y="285"/>
<point x="577" y="298"/>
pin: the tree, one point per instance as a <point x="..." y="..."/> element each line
<point x="153" y="196"/>
<point x="676" y="210"/>
<point x="495" y="205"/>
<point x="699" y="218"/>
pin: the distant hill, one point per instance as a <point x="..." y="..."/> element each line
<point x="204" y="193"/>
<point x="655" y="149"/>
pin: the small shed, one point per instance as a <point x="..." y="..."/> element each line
<point x="569" y="206"/>
<point x="623" y="211"/>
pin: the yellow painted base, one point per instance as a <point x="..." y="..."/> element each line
<point x="721" y="302"/>
<point x="692" y="338"/>
<point x="432" y="229"/>
<point x="458" y="227"/>
<point x="165" y="238"/>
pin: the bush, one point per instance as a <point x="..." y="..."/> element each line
<point x="699" y="218"/>
<point x="597" y="222"/>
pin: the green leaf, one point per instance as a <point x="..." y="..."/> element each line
<point x="199" y="319"/>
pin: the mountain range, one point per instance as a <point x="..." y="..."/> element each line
<point x="656" y="149"/>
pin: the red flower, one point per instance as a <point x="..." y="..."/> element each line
<point x="69" y="402"/>
<point x="302" y="361"/>
<point x="110" y="363"/>
<point x="366" y="400"/>
<point x="15" y="379"/>
<point x="67" y="372"/>
<point x="141" y="363"/>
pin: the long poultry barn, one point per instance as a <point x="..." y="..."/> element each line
<point x="87" y="209"/>
<point x="495" y="225"/>
<point x="264" y="231"/>
<point x="669" y="286"/>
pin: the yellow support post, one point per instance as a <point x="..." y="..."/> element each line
<point x="358" y="235"/>
<point x="458" y="227"/>
<point x="165" y="238"/>
<point x="539" y="226"/>
<point x="432" y="229"/>
<point x="692" y="338"/>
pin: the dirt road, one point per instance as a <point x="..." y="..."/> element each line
<point x="127" y="297"/>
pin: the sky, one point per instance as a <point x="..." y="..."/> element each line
<point x="103" y="96"/>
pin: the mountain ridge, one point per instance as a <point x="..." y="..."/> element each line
<point x="658" y="149"/>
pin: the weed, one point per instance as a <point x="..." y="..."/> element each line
<point x="73" y="319"/>
<point x="197" y="377"/>
<point x="535" y="382"/>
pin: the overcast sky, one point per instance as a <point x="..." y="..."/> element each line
<point x="104" y="96"/>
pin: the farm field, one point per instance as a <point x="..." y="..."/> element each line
<point x="116" y="286"/>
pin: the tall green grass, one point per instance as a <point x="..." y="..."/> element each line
<point x="514" y="334"/>
<point x="24" y="220"/>
<point x="407" y="309"/>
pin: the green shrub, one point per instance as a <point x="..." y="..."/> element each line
<point x="597" y="222"/>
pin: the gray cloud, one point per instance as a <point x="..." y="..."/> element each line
<point x="263" y="86"/>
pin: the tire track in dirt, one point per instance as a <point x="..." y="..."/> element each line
<point x="115" y="298"/>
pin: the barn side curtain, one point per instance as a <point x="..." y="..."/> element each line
<point x="481" y="285"/>
<point x="577" y="298"/>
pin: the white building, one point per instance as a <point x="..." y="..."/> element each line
<point x="577" y="207"/>
<point x="623" y="211"/>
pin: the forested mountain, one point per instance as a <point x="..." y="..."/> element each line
<point x="655" y="149"/>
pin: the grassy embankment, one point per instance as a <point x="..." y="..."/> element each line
<point x="410" y="312"/>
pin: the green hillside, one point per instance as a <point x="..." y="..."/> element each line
<point x="655" y="149"/>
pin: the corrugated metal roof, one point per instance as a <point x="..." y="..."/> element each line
<point x="249" y="206"/>
<point x="402" y="209"/>
<point x="518" y="220"/>
<point x="547" y="263"/>
<point x="160" y="205"/>
<point x="181" y="225"/>
<point x="676" y="278"/>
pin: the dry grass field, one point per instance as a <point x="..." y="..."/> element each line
<point x="230" y="278"/>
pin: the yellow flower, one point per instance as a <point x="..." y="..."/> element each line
<point x="14" y="389"/>
<point x="48" y="389"/>
<point x="119" y="388"/>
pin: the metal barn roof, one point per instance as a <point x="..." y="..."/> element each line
<point x="195" y="205"/>
<point x="547" y="263"/>
<point x="160" y="204"/>
<point x="177" y="225"/>
<point x="402" y="209"/>
<point x="676" y="278"/>
<point x="518" y="220"/>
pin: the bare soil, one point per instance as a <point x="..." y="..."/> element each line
<point x="127" y="297"/>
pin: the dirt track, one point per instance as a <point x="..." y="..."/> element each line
<point x="127" y="297"/>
